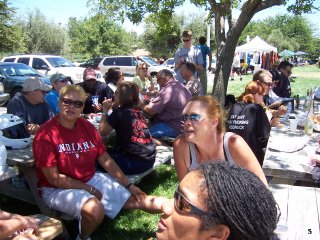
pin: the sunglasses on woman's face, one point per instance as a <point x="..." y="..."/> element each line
<point x="182" y="204"/>
<point x="194" y="117"/>
<point x="69" y="102"/>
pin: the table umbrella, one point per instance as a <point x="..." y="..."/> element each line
<point x="286" y="53"/>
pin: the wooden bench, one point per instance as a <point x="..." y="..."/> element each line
<point x="163" y="156"/>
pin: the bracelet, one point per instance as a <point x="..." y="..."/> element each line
<point x="128" y="185"/>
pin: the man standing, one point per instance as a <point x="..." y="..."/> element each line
<point x="30" y="105"/>
<point x="206" y="51"/>
<point x="96" y="91"/>
<point x="188" y="53"/>
<point x="283" y="89"/>
<point x="167" y="106"/>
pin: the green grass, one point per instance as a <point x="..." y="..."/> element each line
<point x="134" y="224"/>
<point x="306" y="77"/>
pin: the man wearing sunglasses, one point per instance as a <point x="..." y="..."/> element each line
<point x="30" y="105"/>
<point x="283" y="89"/>
<point x="57" y="80"/>
<point x="188" y="53"/>
<point x="96" y="92"/>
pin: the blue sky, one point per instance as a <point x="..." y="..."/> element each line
<point x="60" y="10"/>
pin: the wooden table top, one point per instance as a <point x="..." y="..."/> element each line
<point x="283" y="161"/>
<point x="300" y="213"/>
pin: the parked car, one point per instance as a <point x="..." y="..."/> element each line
<point x="127" y="64"/>
<point x="50" y="64"/>
<point x="169" y="63"/>
<point x="4" y="97"/>
<point x="12" y="76"/>
<point x="94" y="62"/>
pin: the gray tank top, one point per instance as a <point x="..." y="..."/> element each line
<point x="227" y="155"/>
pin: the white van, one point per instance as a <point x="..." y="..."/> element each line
<point x="127" y="64"/>
<point x="50" y="64"/>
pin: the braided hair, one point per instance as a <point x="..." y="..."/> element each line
<point x="238" y="199"/>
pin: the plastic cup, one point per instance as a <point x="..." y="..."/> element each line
<point x="293" y="124"/>
<point x="98" y="117"/>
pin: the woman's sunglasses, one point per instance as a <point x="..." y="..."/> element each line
<point x="69" y="102"/>
<point x="194" y="117"/>
<point x="183" y="205"/>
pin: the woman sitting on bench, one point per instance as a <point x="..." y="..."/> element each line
<point x="65" y="151"/>
<point x="205" y="139"/>
<point x="135" y="150"/>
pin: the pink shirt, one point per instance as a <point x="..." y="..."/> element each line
<point x="169" y="104"/>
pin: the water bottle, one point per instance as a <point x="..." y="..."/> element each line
<point x="3" y="157"/>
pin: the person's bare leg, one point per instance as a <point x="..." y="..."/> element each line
<point x="92" y="214"/>
<point x="150" y="204"/>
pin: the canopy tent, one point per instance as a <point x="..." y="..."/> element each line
<point x="286" y="53"/>
<point x="256" y="45"/>
<point x="299" y="53"/>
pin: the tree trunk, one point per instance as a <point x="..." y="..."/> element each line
<point x="227" y="45"/>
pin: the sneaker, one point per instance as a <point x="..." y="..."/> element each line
<point x="19" y="182"/>
<point x="240" y="79"/>
<point x="232" y="79"/>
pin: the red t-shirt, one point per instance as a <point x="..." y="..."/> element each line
<point x="73" y="151"/>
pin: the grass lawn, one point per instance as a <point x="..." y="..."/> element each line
<point x="306" y="77"/>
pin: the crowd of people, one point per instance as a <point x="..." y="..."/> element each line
<point x="217" y="158"/>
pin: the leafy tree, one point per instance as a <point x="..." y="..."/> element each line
<point x="98" y="36"/>
<point x="11" y="34"/>
<point x="220" y="11"/>
<point x="42" y="36"/>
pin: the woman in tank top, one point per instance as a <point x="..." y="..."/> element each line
<point x="205" y="139"/>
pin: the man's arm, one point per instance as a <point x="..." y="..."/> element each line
<point x="210" y="61"/>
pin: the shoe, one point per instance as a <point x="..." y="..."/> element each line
<point x="232" y="79"/>
<point x="240" y="79"/>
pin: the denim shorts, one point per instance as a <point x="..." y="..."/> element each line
<point x="161" y="129"/>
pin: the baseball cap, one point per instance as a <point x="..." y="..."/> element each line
<point x="58" y="77"/>
<point x="34" y="83"/>
<point x="89" y="73"/>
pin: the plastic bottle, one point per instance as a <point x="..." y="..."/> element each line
<point x="297" y="102"/>
<point x="3" y="157"/>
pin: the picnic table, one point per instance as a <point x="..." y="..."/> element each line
<point x="300" y="214"/>
<point x="287" y="155"/>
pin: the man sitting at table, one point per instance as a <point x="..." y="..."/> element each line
<point x="96" y="92"/>
<point x="167" y="106"/>
<point x="30" y="105"/>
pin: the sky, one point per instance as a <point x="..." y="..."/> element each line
<point x="61" y="10"/>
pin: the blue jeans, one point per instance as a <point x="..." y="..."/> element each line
<point x="162" y="129"/>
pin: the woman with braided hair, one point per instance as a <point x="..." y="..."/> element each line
<point x="219" y="200"/>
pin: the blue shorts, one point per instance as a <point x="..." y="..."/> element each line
<point x="128" y="164"/>
<point x="161" y="129"/>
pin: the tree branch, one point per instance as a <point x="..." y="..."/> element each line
<point x="266" y="4"/>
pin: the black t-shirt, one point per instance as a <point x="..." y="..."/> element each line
<point x="283" y="89"/>
<point x="133" y="135"/>
<point x="101" y="90"/>
<point x="250" y="121"/>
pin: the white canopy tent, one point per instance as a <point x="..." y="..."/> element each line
<point x="256" y="45"/>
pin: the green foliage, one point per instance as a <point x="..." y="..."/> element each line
<point x="11" y="34"/>
<point x="99" y="36"/>
<point x="43" y="36"/>
<point x="284" y="32"/>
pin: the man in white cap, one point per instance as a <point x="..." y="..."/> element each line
<point x="57" y="80"/>
<point x="30" y="105"/>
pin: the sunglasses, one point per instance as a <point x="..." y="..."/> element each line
<point x="69" y="102"/>
<point x="63" y="80"/>
<point x="186" y="40"/>
<point x="182" y="204"/>
<point x="194" y="117"/>
<point x="144" y="68"/>
<point x="91" y="80"/>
